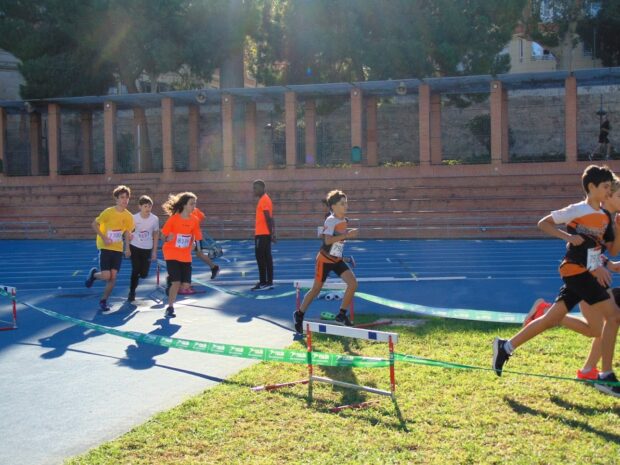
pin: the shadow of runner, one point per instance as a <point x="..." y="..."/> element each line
<point x="140" y="355"/>
<point x="521" y="409"/>
<point x="60" y="341"/>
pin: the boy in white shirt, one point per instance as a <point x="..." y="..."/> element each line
<point x="143" y="246"/>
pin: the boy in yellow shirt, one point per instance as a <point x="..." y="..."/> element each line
<point x="111" y="226"/>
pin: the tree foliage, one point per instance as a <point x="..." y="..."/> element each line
<point x="77" y="47"/>
<point x="305" y="41"/>
<point x="598" y="29"/>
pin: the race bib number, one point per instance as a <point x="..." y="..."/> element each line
<point x="337" y="249"/>
<point x="144" y="235"/>
<point x="183" y="240"/>
<point x="115" y="235"/>
<point x="594" y="259"/>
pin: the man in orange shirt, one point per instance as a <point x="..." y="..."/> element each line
<point x="264" y="235"/>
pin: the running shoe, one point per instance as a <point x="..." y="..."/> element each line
<point x="170" y="312"/>
<point x="500" y="356"/>
<point x="591" y="375"/>
<point x="215" y="271"/>
<point x="103" y="306"/>
<point x="539" y="308"/>
<point x="260" y="287"/>
<point x="187" y="291"/>
<point x="91" y="277"/>
<point x="298" y="319"/>
<point x="132" y="296"/>
<point x="268" y="285"/>
<point x="606" y="388"/>
<point x="343" y="319"/>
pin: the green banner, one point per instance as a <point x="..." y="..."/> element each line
<point x="231" y="350"/>
<point x="456" y="313"/>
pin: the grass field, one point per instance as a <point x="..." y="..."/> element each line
<point x="451" y="416"/>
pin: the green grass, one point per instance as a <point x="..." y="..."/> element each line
<point x="451" y="416"/>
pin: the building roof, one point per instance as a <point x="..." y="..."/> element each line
<point x="447" y="85"/>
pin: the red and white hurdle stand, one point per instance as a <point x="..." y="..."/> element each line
<point x="7" y="325"/>
<point x="344" y="331"/>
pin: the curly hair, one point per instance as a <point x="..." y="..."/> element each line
<point x="176" y="203"/>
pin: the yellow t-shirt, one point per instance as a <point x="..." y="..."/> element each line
<point x="114" y="224"/>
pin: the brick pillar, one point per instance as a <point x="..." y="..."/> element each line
<point x="35" y="143"/>
<point x="424" y="110"/>
<point x="310" y="122"/>
<point x="53" y="137"/>
<point x="86" y="148"/>
<point x="109" y="136"/>
<point x="435" y="129"/>
<point x="193" y="121"/>
<point x="3" y="155"/>
<point x="250" y="134"/>
<point x="357" y="118"/>
<point x="570" y="113"/>
<point x="499" y="124"/>
<point x="290" y="121"/>
<point x="371" y="131"/>
<point x="227" y="131"/>
<point x="167" y="135"/>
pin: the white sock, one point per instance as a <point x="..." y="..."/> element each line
<point x="604" y="374"/>
<point x="508" y="347"/>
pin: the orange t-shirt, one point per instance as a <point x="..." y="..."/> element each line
<point x="261" y="227"/>
<point x="186" y="231"/>
<point x="199" y="215"/>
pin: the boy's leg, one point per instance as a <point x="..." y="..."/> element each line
<point x="136" y="267"/>
<point x="349" y="278"/>
<point x="610" y="330"/>
<point x="551" y="319"/>
<point x="259" y="252"/>
<point x="268" y="261"/>
<point x="109" y="285"/>
<point x="596" y="321"/>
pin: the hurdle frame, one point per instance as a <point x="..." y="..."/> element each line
<point x="343" y="331"/>
<point x="328" y="285"/>
<point x="13" y="292"/>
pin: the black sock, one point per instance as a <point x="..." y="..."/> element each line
<point x="343" y="311"/>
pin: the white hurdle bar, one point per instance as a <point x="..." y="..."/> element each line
<point x="345" y="331"/>
<point x="328" y="285"/>
<point x="13" y="292"/>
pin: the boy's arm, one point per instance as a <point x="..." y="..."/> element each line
<point x="329" y="240"/>
<point x="127" y="235"/>
<point x="548" y="226"/>
<point x="155" y="244"/>
<point x="95" y="227"/>
<point x="271" y="224"/>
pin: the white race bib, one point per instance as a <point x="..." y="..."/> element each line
<point x="115" y="235"/>
<point x="337" y="249"/>
<point x="183" y="241"/>
<point x="594" y="259"/>
<point x="144" y="235"/>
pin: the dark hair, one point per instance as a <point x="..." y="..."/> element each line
<point x="144" y="199"/>
<point x="333" y="197"/>
<point x="260" y="182"/>
<point x="596" y="175"/>
<point x="176" y="203"/>
<point x="121" y="190"/>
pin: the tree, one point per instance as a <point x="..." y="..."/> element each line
<point x="320" y="41"/>
<point x="599" y="32"/>
<point x="46" y="37"/>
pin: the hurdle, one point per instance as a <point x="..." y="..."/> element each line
<point x="12" y="291"/>
<point x="343" y="331"/>
<point x="328" y="285"/>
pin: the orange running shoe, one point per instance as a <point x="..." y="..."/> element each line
<point x="539" y="308"/>
<point x="591" y="375"/>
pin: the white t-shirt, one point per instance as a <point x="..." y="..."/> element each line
<point x="145" y="228"/>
